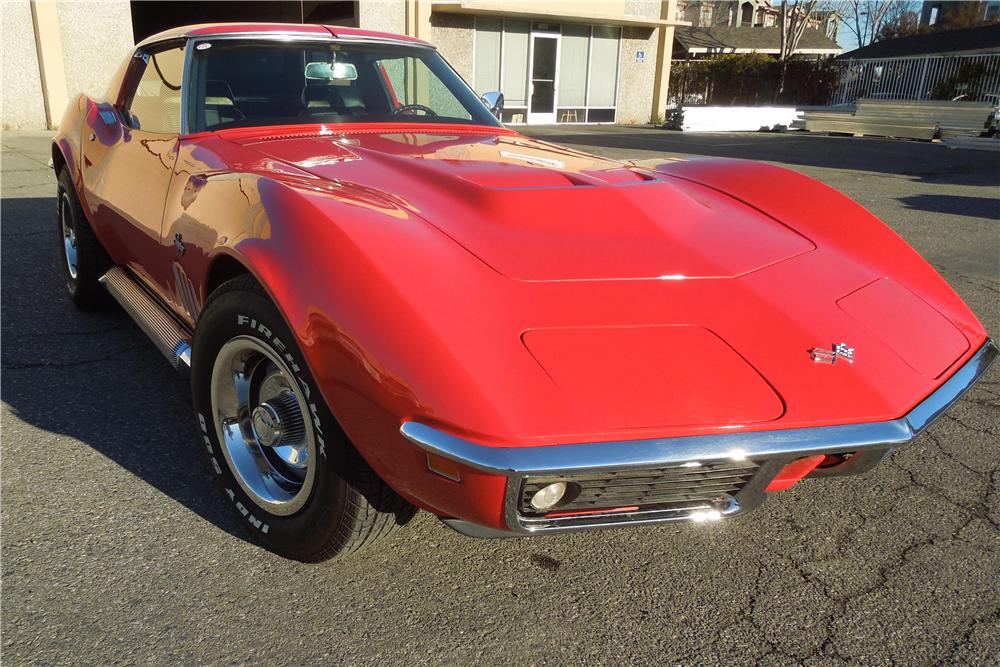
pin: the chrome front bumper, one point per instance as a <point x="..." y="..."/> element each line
<point x="770" y="450"/>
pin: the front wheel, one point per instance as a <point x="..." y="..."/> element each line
<point x="280" y="456"/>
<point x="84" y="260"/>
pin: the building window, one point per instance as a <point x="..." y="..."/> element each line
<point x="587" y="79"/>
<point x="516" y="45"/>
<point x="935" y="11"/>
<point x="604" y="67"/>
<point x="574" y="63"/>
<point x="489" y="33"/>
<point x="501" y="63"/>
<point x="588" y="74"/>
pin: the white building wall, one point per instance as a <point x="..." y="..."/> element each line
<point x="96" y="37"/>
<point x="23" y="106"/>
<point x="636" y="79"/>
<point x="383" y="15"/>
<point x="92" y="39"/>
<point x="453" y="34"/>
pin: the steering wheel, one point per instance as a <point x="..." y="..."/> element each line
<point x="410" y="108"/>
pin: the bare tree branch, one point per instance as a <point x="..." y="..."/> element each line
<point x="794" y="19"/>
<point x="866" y="19"/>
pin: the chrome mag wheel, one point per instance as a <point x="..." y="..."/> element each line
<point x="69" y="234"/>
<point x="263" y="425"/>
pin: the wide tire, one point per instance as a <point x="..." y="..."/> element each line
<point x="317" y="498"/>
<point x="83" y="258"/>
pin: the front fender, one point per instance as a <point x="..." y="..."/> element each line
<point x="67" y="141"/>
<point x="342" y="265"/>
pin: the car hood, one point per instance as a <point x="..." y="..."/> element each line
<point x="537" y="212"/>
<point x="610" y="301"/>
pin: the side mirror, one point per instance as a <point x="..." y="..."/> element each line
<point x="108" y="116"/>
<point x="493" y="101"/>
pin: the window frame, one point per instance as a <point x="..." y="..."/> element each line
<point x="138" y="64"/>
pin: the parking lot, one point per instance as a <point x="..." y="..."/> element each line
<point x="116" y="547"/>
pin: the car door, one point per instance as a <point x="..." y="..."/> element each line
<point x="128" y="159"/>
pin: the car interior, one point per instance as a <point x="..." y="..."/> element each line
<point x="262" y="84"/>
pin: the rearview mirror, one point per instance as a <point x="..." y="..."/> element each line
<point x="493" y="101"/>
<point x="331" y="71"/>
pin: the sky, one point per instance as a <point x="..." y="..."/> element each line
<point x="846" y="38"/>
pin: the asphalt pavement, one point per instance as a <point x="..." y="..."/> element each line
<point x="116" y="547"/>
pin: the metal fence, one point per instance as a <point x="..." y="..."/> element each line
<point x="973" y="78"/>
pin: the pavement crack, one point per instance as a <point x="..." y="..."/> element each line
<point x="957" y="420"/>
<point x="70" y="364"/>
<point x="933" y="439"/>
<point x="25" y="235"/>
<point x="992" y="617"/>
<point x="60" y="334"/>
<point x="8" y="188"/>
<point x="981" y="511"/>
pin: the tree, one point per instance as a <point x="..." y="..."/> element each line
<point x="904" y="19"/>
<point x="792" y="22"/>
<point x="964" y="15"/>
<point x="908" y="23"/>
<point x="872" y="20"/>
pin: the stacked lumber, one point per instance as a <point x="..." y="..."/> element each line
<point x="905" y="119"/>
<point x="953" y="119"/>
<point x="738" y="119"/>
<point x="974" y="143"/>
<point x="836" y="121"/>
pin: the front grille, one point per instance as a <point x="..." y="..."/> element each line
<point x="672" y="487"/>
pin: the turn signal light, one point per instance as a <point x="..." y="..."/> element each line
<point x="444" y="467"/>
<point x="794" y="471"/>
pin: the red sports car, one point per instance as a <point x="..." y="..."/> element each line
<point x="389" y="301"/>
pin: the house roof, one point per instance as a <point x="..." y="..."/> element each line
<point x="741" y="39"/>
<point x="981" y="39"/>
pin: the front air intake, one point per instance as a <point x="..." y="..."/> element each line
<point x="687" y="485"/>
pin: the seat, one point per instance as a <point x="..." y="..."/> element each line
<point x="351" y="99"/>
<point x="327" y="98"/>
<point x="316" y="99"/>
<point x="220" y="104"/>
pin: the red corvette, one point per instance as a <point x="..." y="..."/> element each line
<point x="389" y="301"/>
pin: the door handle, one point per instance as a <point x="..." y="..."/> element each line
<point x="92" y="136"/>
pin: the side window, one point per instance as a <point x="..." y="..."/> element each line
<point x="155" y="103"/>
<point x="411" y="82"/>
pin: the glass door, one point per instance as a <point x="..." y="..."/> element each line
<point x="544" y="65"/>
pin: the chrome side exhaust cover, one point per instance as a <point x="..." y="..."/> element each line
<point x="162" y="329"/>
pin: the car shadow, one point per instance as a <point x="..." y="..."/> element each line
<point x="93" y="377"/>
<point x="973" y="207"/>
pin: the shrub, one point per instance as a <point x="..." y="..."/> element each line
<point x="751" y="79"/>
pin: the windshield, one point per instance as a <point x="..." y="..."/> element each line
<point x="243" y="83"/>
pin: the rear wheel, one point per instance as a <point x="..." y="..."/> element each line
<point x="279" y="454"/>
<point x="84" y="260"/>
